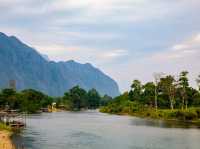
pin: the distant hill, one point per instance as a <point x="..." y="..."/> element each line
<point x="24" y="64"/>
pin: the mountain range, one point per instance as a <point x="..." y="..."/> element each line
<point x="30" y="69"/>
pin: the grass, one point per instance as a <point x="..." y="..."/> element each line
<point x="189" y="115"/>
<point x="4" y="127"/>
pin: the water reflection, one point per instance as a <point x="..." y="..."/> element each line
<point x="162" y="124"/>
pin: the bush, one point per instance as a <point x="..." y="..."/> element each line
<point x="192" y="115"/>
<point x="187" y="115"/>
<point x="4" y="127"/>
<point x="198" y="112"/>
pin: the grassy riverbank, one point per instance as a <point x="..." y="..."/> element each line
<point x="167" y="98"/>
<point x="190" y="115"/>
<point x="4" y="127"/>
<point x="5" y="137"/>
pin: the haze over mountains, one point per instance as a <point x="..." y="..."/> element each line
<point x="24" y="64"/>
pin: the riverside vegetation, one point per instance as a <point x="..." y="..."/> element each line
<point x="31" y="101"/>
<point x="166" y="98"/>
<point x="5" y="137"/>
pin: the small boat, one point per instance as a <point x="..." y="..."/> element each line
<point x="16" y="125"/>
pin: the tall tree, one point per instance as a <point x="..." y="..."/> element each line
<point x="78" y="96"/>
<point x="105" y="99"/>
<point x="198" y="82"/>
<point x="184" y="84"/>
<point x="93" y="99"/>
<point x="148" y="93"/>
<point x="168" y="87"/>
<point x="157" y="77"/>
<point x="10" y="97"/>
<point x="33" y="100"/>
<point x="136" y="90"/>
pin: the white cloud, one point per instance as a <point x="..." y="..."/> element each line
<point x="83" y="30"/>
<point x="188" y="49"/>
<point x="179" y="47"/>
<point x="107" y="10"/>
<point x="115" y="53"/>
<point x="81" y="54"/>
<point x="197" y="38"/>
<point x="182" y="56"/>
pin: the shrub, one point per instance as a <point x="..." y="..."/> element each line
<point x="4" y="127"/>
<point x="191" y="115"/>
<point x="187" y="115"/>
<point x="198" y="112"/>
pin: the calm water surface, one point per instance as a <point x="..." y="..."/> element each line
<point x="94" y="130"/>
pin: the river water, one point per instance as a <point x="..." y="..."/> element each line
<point x="94" y="130"/>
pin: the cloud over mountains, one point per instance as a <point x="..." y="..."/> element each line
<point x="122" y="37"/>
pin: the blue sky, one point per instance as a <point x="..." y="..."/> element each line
<point x="127" y="39"/>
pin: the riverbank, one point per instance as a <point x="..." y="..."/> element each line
<point x="191" y="115"/>
<point x="5" y="137"/>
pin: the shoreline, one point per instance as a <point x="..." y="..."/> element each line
<point x="6" y="140"/>
<point x="192" y="123"/>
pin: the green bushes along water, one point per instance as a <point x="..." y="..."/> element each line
<point x="165" y="98"/>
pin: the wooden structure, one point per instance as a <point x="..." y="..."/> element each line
<point x="12" y="118"/>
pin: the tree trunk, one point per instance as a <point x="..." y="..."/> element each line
<point x="156" y="98"/>
<point x="183" y="103"/>
<point x="172" y="104"/>
<point x="186" y="104"/>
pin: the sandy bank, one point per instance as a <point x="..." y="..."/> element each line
<point x="5" y="140"/>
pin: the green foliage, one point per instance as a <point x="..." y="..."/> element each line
<point x="198" y="82"/>
<point x="26" y="101"/>
<point x="136" y="90"/>
<point x="105" y="100"/>
<point x="77" y="98"/>
<point x="4" y="127"/>
<point x="148" y="93"/>
<point x="175" y="99"/>
<point x="93" y="99"/>
<point x="31" y="101"/>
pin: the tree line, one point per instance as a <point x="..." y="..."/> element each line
<point x="32" y="101"/>
<point x="166" y="92"/>
<point x="28" y="100"/>
<point x="78" y="98"/>
<point x="165" y="97"/>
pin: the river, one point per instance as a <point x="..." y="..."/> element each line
<point x="94" y="130"/>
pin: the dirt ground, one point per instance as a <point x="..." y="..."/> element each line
<point x="5" y="141"/>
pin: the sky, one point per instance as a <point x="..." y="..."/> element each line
<point x="126" y="39"/>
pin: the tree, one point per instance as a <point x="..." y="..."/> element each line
<point x="93" y="99"/>
<point x="78" y="97"/>
<point x="32" y="100"/>
<point x="105" y="99"/>
<point x="3" y="101"/>
<point x="193" y="97"/>
<point x="167" y="86"/>
<point x="148" y="93"/>
<point x="198" y="82"/>
<point x="10" y="98"/>
<point x="136" y="90"/>
<point x="157" y="77"/>
<point x="184" y="84"/>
